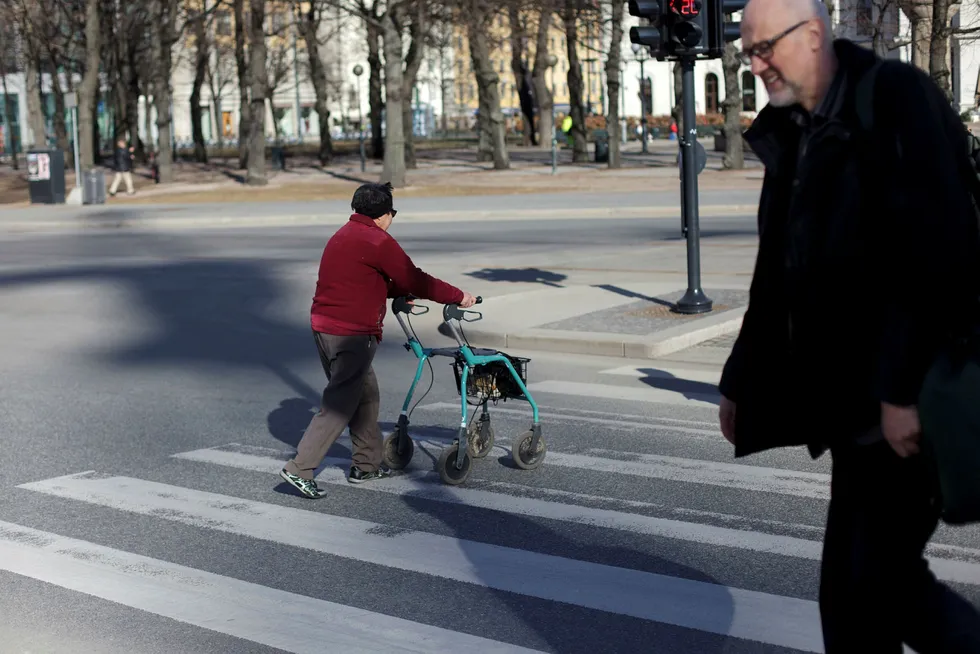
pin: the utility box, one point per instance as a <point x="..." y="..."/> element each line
<point x="93" y="187"/>
<point x="46" y="176"/>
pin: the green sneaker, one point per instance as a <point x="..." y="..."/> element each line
<point x="307" y="487"/>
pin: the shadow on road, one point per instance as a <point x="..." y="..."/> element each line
<point x="692" y="390"/>
<point x="633" y="294"/>
<point x="519" y="275"/>
<point x="553" y="621"/>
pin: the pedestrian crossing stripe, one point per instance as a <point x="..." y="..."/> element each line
<point x="654" y="371"/>
<point x="950" y="563"/>
<point x="630" y="393"/>
<point x="269" y="616"/>
<point x="752" y="615"/>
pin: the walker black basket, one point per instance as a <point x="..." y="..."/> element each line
<point x="492" y="381"/>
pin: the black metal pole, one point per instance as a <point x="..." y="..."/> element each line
<point x="694" y="300"/>
<point x="643" y="105"/>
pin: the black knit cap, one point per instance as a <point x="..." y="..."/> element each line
<point x="373" y="200"/>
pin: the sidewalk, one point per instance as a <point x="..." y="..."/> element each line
<point x="440" y="173"/>
<point x="632" y="320"/>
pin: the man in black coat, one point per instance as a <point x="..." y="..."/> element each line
<point x="124" y="167"/>
<point x="869" y="259"/>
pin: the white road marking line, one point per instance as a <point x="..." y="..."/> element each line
<point x="752" y="615"/>
<point x="271" y="617"/>
<point x="631" y="393"/>
<point x="960" y="564"/>
<point x="638" y="424"/>
<point x="697" y="471"/>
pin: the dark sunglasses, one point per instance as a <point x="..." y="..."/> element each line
<point x="394" y="212"/>
<point x="763" y="49"/>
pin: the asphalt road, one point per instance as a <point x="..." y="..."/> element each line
<point x="154" y="383"/>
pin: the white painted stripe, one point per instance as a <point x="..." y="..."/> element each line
<point x="960" y="564"/>
<point x="631" y="393"/>
<point x="260" y="614"/>
<point x="783" y="621"/>
<point x="641" y="423"/>
<point x="657" y="372"/>
<point x="696" y="471"/>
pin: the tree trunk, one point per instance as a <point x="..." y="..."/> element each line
<point x="162" y="39"/>
<point x="484" y="142"/>
<point x="241" y="63"/>
<point x="919" y="13"/>
<point x="88" y="91"/>
<point x="491" y="118"/>
<point x="259" y="78"/>
<point x="394" y="155"/>
<point x="732" y="105"/>
<point x="518" y="47"/>
<point x="10" y="109"/>
<point x="939" y="46"/>
<point x="413" y="61"/>
<point x="580" y="145"/>
<point x="308" y="25"/>
<point x="375" y="101"/>
<point x="545" y="101"/>
<point x="202" y="56"/>
<point x="58" y="119"/>
<point x="612" y="85"/>
<point x="35" y="118"/>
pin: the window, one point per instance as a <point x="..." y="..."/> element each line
<point x="711" y="93"/>
<point x="223" y="23"/>
<point x="748" y="91"/>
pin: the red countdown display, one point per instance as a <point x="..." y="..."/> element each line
<point x="685" y="7"/>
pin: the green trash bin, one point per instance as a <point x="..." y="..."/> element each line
<point x="601" y="137"/>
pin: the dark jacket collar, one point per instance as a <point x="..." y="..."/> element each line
<point x="773" y="125"/>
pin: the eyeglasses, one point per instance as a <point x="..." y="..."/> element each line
<point x="763" y="49"/>
<point x="394" y="212"/>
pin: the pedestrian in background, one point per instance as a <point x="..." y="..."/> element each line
<point x="868" y="261"/>
<point x="124" y="168"/>
<point x="361" y="267"/>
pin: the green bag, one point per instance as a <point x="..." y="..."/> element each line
<point x="949" y="413"/>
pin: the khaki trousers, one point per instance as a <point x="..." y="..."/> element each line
<point x="126" y="177"/>
<point x="351" y="398"/>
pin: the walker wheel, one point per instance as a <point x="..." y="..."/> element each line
<point x="448" y="471"/>
<point x="390" y="455"/>
<point x="479" y="440"/>
<point x="523" y="457"/>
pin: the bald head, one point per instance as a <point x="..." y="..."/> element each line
<point x="792" y="46"/>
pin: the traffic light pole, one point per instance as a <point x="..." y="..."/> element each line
<point x="694" y="300"/>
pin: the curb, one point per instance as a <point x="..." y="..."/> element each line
<point x="106" y="222"/>
<point x="649" y="346"/>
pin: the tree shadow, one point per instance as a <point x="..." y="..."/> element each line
<point x="565" y="614"/>
<point x="519" y="275"/>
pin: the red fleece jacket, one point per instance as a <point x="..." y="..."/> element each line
<point x="361" y="267"/>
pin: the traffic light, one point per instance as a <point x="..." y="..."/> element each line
<point x="652" y="35"/>
<point x="687" y="27"/>
<point x="723" y="29"/>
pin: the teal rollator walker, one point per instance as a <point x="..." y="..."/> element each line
<point x="484" y="374"/>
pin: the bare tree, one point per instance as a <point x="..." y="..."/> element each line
<point x="732" y="106"/>
<point x="394" y="159"/>
<point x="244" y="84"/>
<point x="29" y="16"/>
<point x="542" y="94"/>
<point x="418" y="28"/>
<point x="88" y="92"/>
<point x="309" y="23"/>
<point x="518" y="66"/>
<point x="219" y="76"/>
<point x="580" y="146"/>
<point x="163" y="35"/>
<point x="479" y="19"/>
<point x="613" y="60"/>
<point x="202" y="56"/>
<point x="259" y="78"/>
<point x="9" y="63"/>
